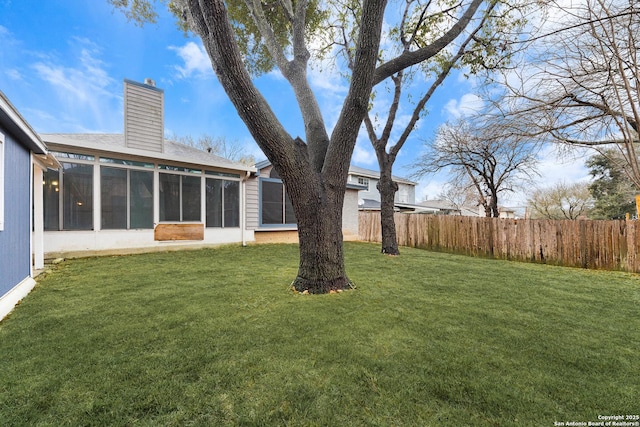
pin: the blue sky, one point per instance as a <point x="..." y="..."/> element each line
<point x="62" y="64"/>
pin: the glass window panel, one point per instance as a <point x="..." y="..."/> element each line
<point x="73" y="156"/>
<point x="190" y="198"/>
<point x="77" y="194"/>
<point x="169" y="197"/>
<point x="125" y="162"/>
<point x="141" y="199"/>
<point x="229" y="175"/>
<point x="51" y="200"/>
<point x="214" y="202"/>
<point x="179" y="169"/>
<point x="271" y="202"/>
<point x="231" y="204"/>
<point x="113" y="191"/>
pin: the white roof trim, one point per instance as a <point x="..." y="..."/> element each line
<point x="19" y="121"/>
<point x="370" y="173"/>
<point x="64" y="142"/>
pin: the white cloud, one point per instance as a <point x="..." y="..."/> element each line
<point x="195" y="58"/>
<point x="328" y="82"/>
<point x="83" y="84"/>
<point x="467" y="105"/>
<point x="13" y="74"/>
<point x="85" y="89"/>
<point x="429" y="189"/>
<point x="556" y="166"/>
<point x="363" y="154"/>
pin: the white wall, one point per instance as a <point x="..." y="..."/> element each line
<point x="350" y="212"/>
<point x="79" y="243"/>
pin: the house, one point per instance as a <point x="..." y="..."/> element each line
<point x="507" y="213"/>
<point x="137" y="191"/>
<point x="23" y="158"/>
<point x="439" y="207"/>
<point x="445" y="207"/>
<point x="270" y="214"/>
<point x="370" y="197"/>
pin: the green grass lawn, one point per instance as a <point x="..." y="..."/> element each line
<point x="215" y="337"/>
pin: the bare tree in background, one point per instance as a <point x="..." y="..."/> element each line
<point x="561" y="201"/>
<point x="220" y="146"/>
<point x="460" y="193"/>
<point x="581" y="83"/>
<point x="479" y="153"/>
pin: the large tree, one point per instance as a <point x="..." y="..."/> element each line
<point x="484" y="156"/>
<point x="314" y="167"/>
<point x="611" y="189"/>
<point x="484" y="44"/>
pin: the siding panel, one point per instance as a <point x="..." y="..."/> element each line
<point x="143" y="117"/>
<point x="252" y="203"/>
<point x="15" y="256"/>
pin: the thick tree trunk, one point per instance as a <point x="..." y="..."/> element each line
<point x="318" y="212"/>
<point x="388" y="189"/>
<point x="493" y="204"/>
<point x="321" y="267"/>
<point x="315" y="172"/>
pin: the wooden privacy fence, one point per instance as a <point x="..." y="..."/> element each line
<point x="608" y="245"/>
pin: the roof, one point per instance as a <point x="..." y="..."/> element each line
<point x="439" y="204"/>
<point x="353" y="170"/>
<point x="369" y="173"/>
<point x="445" y="205"/>
<point x="369" y="204"/>
<point x="11" y="119"/>
<point x="115" y="144"/>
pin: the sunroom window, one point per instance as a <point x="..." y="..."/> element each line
<point x="127" y="198"/>
<point x="72" y="188"/>
<point x="223" y="203"/>
<point x="179" y="197"/>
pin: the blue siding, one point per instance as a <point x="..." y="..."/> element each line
<point x="15" y="254"/>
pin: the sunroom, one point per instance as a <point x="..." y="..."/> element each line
<point x="131" y="192"/>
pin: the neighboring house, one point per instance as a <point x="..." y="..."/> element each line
<point x="507" y="213"/>
<point x="137" y="191"/>
<point x="439" y="207"/>
<point x="23" y="157"/>
<point x="370" y="197"/>
<point x="445" y="207"/>
<point x="270" y="213"/>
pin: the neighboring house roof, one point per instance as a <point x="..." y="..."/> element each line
<point x="374" y="205"/>
<point x="470" y="211"/>
<point x="115" y="143"/>
<point x="439" y="204"/>
<point x="448" y="207"/>
<point x="369" y="173"/>
<point x="353" y="170"/>
<point x="368" y="204"/>
<point x="11" y="120"/>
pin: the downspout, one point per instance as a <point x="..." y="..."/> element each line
<point x="32" y="256"/>
<point x="243" y="211"/>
